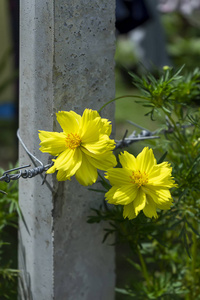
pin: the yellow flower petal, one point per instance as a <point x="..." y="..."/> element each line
<point x="103" y="161"/>
<point x="106" y="127"/>
<point x="86" y="174"/>
<point x="128" y="161"/>
<point x="150" y="208"/>
<point x="90" y="131"/>
<point x="139" y="201"/>
<point x="69" y="121"/>
<point x="118" y="176"/>
<point x="52" y="169"/>
<point x="161" y="175"/>
<point x="102" y="145"/>
<point x="68" y="161"/>
<point x="166" y="205"/>
<point x="63" y="175"/>
<point x="161" y="197"/>
<point x="89" y="115"/>
<point x="129" y="212"/>
<point x="121" y="195"/>
<point x="145" y="160"/>
<point x="92" y="127"/>
<point x="52" y="142"/>
<point x="91" y="121"/>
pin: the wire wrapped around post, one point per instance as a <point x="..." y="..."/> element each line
<point x="27" y="173"/>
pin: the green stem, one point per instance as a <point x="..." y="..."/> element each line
<point x="175" y="127"/>
<point x="144" y="267"/>
<point x="121" y="97"/>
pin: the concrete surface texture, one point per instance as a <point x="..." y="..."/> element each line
<point x="66" y="63"/>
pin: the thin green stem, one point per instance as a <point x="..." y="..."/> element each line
<point x="143" y="266"/>
<point x="176" y="128"/>
<point x="121" y="97"/>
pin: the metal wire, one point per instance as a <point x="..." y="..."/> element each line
<point x="27" y="173"/>
<point x="146" y="134"/>
<point x="125" y="142"/>
<point x="26" y="149"/>
<point x="133" y="137"/>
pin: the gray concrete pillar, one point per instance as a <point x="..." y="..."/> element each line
<point x="66" y="63"/>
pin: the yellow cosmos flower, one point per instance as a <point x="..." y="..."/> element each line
<point x="83" y="147"/>
<point x="141" y="184"/>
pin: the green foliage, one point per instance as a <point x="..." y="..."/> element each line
<point x="9" y="210"/>
<point x="164" y="252"/>
<point x="182" y="35"/>
<point x="170" y="92"/>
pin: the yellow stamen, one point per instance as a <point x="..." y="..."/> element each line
<point x="73" y="140"/>
<point x="139" y="178"/>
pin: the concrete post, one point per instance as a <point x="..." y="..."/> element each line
<point x="66" y="63"/>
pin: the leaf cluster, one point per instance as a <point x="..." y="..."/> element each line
<point x="164" y="251"/>
<point x="170" y="92"/>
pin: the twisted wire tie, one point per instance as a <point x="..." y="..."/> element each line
<point x="27" y="173"/>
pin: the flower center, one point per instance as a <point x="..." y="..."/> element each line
<point x="139" y="178"/>
<point x="73" y="140"/>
